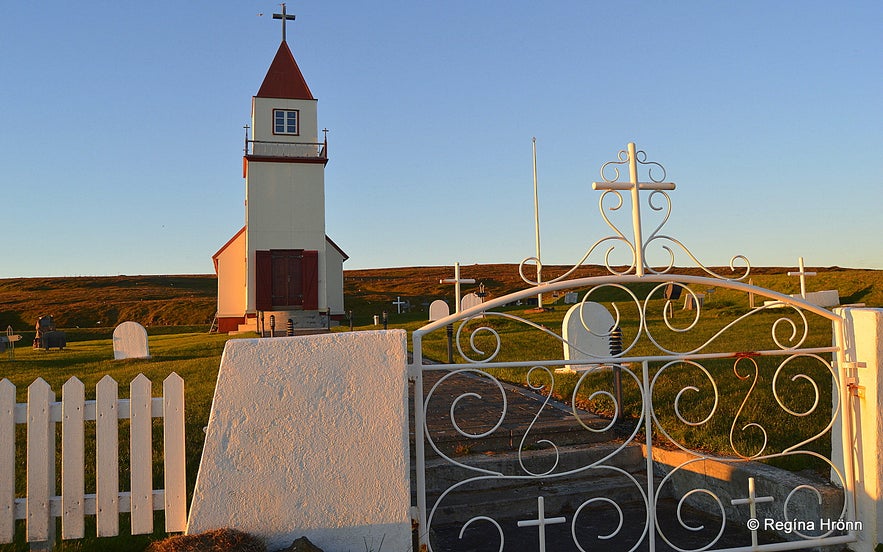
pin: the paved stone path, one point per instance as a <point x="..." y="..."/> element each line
<point x="556" y="422"/>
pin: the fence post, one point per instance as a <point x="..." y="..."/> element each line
<point x="863" y="329"/>
<point x="40" y="465"/>
<point x="107" y="475"/>
<point x="141" y="455"/>
<point x="7" y="461"/>
<point x="73" y="510"/>
<point x="173" y="454"/>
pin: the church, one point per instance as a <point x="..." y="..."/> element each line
<point x="281" y="263"/>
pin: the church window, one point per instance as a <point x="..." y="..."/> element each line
<point x="285" y="121"/>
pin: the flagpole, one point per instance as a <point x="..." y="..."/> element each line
<point x="536" y="216"/>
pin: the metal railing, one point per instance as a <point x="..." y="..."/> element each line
<point x="298" y="150"/>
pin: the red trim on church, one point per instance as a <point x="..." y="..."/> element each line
<point x="284" y="79"/>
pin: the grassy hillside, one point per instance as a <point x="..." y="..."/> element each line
<point x="94" y="302"/>
<point x="104" y="302"/>
<point x="372" y="291"/>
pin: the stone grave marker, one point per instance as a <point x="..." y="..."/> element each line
<point x="470" y="300"/>
<point x="571" y="298"/>
<point x="130" y="341"/>
<point x="438" y="309"/>
<point x="582" y="343"/>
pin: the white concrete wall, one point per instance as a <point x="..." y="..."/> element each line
<point x="864" y="329"/>
<point x="309" y="436"/>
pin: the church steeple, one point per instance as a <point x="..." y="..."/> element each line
<point x="284" y="79"/>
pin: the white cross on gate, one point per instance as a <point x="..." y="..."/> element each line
<point x="541" y="522"/>
<point x="399" y="304"/>
<point x="456" y="280"/>
<point x="752" y="502"/>
<point x="634" y="186"/>
<point x="803" y="274"/>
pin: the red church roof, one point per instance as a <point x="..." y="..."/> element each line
<point x="284" y="79"/>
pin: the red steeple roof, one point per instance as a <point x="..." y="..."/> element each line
<point x="284" y="79"/>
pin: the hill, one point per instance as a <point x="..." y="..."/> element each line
<point x="183" y="300"/>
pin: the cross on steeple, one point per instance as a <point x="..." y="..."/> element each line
<point x="284" y="17"/>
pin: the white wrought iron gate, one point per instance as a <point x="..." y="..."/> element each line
<point x="708" y="429"/>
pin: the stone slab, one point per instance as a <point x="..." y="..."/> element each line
<point x="308" y="436"/>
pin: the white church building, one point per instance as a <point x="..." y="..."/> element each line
<point x="281" y="262"/>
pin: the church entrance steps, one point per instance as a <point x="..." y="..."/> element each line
<point x="302" y="323"/>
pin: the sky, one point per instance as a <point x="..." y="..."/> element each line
<point x="122" y="138"/>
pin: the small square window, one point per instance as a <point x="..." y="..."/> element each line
<point x="285" y="121"/>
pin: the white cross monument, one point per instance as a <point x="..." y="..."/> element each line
<point x="803" y="274"/>
<point x="634" y="185"/>
<point x="399" y="304"/>
<point x="456" y="280"/>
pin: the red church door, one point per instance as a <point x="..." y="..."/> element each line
<point x="287" y="279"/>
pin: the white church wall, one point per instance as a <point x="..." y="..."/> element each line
<point x="334" y="278"/>
<point x="284" y="213"/>
<point x="262" y="119"/>
<point x="231" y="278"/>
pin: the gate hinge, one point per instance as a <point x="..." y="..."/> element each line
<point x="854" y="388"/>
<point x="413" y="371"/>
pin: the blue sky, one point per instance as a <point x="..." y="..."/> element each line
<point x="122" y="127"/>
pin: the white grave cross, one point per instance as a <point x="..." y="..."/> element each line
<point x="752" y="501"/>
<point x="399" y="304"/>
<point x="803" y="274"/>
<point x="541" y="522"/>
<point x="634" y="185"/>
<point x="456" y="280"/>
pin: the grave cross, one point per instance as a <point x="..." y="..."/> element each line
<point x="541" y="522"/>
<point x="456" y="280"/>
<point x="753" y="500"/>
<point x="399" y="304"/>
<point x="803" y="274"/>
<point x="634" y="185"/>
<point x="285" y="18"/>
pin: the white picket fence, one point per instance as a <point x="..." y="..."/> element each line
<point x="41" y="504"/>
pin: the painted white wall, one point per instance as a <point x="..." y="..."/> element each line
<point x="285" y="209"/>
<point x="232" y="278"/>
<point x="334" y="278"/>
<point x="262" y="119"/>
<point x="864" y="328"/>
<point x="309" y="436"/>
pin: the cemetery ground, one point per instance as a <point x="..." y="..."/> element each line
<point x="177" y="311"/>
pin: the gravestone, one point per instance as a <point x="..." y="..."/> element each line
<point x="571" y="297"/>
<point x="692" y="302"/>
<point x="470" y="300"/>
<point x="130" y="341"/>
<point x="580" y="342"/>
<point x="438" y="309"/>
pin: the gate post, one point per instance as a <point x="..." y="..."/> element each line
<point x="863" y="335"/>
